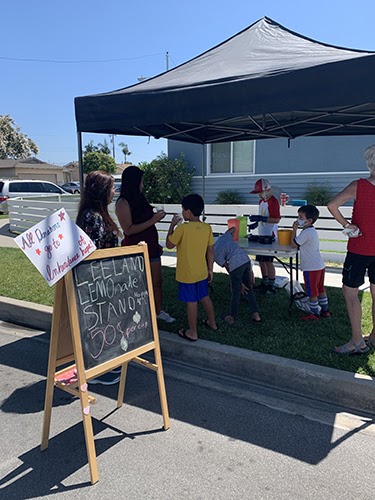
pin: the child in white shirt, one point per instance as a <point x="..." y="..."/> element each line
<point x="311" y="262"/>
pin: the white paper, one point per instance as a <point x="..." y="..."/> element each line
<point x="55" y="245"/>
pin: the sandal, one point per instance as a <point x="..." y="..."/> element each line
<point x="182" y="334"/>
<point x="370" y="343"/>
<point x="207" y="325"/>
<point x="346" y="351"/>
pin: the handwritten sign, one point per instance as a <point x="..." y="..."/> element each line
<point x="55" y="245"/>
<point x="113" y="306"/>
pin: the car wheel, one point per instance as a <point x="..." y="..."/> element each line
<point x="76" y="191"/>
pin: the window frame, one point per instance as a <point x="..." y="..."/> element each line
<point x="231" y="172"/>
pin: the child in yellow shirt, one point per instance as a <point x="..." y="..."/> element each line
<point x="195" y="260"/>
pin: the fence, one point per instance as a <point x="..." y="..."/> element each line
<point x="25" y="212"/>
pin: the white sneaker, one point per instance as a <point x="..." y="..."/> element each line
<point x="165" y="317"/>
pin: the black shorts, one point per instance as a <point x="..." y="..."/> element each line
<point x="355" y="267"/>
<point x="264" y="258"/>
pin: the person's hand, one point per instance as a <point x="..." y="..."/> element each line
<point x="252" y="226"/>
<point x="210" y="276"/>
<point x="175" y="220"/>
<point x="159" y="215"/>
<point x="258" y="218"/>
<point x="244" y="289"/>
<point x="295" y="225"/>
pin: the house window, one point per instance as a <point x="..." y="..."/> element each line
<point x="231" y="157"/>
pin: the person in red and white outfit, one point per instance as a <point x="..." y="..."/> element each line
<point x="311" y="262"/>
<point x="361" y="253"/>
<point x="266" y="221"/>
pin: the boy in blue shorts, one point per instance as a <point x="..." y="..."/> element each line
<point x="195" y="259"/>
<point x="312" y="264"/>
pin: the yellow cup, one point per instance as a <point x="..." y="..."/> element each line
<point x="284" y="236"/>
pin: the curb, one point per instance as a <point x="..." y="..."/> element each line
<point x="327" y="384"/>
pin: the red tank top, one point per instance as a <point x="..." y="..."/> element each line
<point x="364" y="217"/>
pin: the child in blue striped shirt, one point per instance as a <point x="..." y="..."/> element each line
<point x="236" y="261"/>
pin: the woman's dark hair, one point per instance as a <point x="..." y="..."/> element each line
<point x="130" y="190"/>
<point x="96" y="195"/>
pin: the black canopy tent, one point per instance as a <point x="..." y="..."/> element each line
<point x="264" y="82"/>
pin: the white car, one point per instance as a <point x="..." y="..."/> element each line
<point x="20" y="187"/>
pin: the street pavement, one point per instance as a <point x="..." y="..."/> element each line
<point x="229" y="438"/>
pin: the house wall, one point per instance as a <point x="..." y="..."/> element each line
<point x="52" y="176"/>
<point x="335" y="161"/>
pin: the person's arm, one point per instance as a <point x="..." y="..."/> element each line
<point x="293" y="244"/>
<point x="175" y="220"/>
<point x="124" y="217"/>
<point x="274" y="213"/>
<point x="210" y="262"/>
<point x="333" y="205"/>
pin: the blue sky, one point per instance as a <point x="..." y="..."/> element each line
<point x="39" y="95"/>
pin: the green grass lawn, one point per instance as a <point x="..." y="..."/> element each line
<point x="280" y="334"/>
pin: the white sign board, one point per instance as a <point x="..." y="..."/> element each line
<point x="55" y="245"/>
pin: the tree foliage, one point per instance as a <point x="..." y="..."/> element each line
<point x="167" y="180"/>
<point x="14" y="143"/>
<point x="318" y="194"/>
<point x="98" y="161"/>
<point x="125" y="150"/>
<point x="102" y="147"/>
<point x="229" y="197"/>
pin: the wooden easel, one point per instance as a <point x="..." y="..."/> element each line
<point x="66" y="346"/>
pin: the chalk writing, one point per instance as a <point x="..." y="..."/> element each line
<point x="113" y="306"/>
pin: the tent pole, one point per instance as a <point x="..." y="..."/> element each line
<point x="203" y="171"/>
<point x="80" y="162"/>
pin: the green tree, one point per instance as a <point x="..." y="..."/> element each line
<point x="125" y="150"/>
<point x="167" y="180"/>
<point x="13" y="143"/>
<point x="98" y="161"/>
<point x="90" y="148"/>
<point x="103" y="147"/>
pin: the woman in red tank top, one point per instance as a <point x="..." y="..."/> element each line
<point x="361" y="253"/>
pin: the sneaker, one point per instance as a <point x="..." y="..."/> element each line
<point x="310" y="317"/>
<point x="260" y="287"/>
<point x="109" y="378"/>
<point x="325" y="314"/>
<point x="164" y="316"/>
<point x="268" y="289"/>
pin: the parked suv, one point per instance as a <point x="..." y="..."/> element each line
<point x="20" y="187"/>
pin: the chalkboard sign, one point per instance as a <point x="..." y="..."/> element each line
<point x="113" y="306"/>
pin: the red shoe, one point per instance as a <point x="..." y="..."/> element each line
<point x="325" y="314"/>
<point x="310" y="317"/>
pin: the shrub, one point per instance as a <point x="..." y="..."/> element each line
<point x="167" y="180"/>
<point x="98" y="161"/>
<point x="318" y="194"/>
<point x="229" y="197"/>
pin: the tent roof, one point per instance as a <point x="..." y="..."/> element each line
<point x="264" y="82"/>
